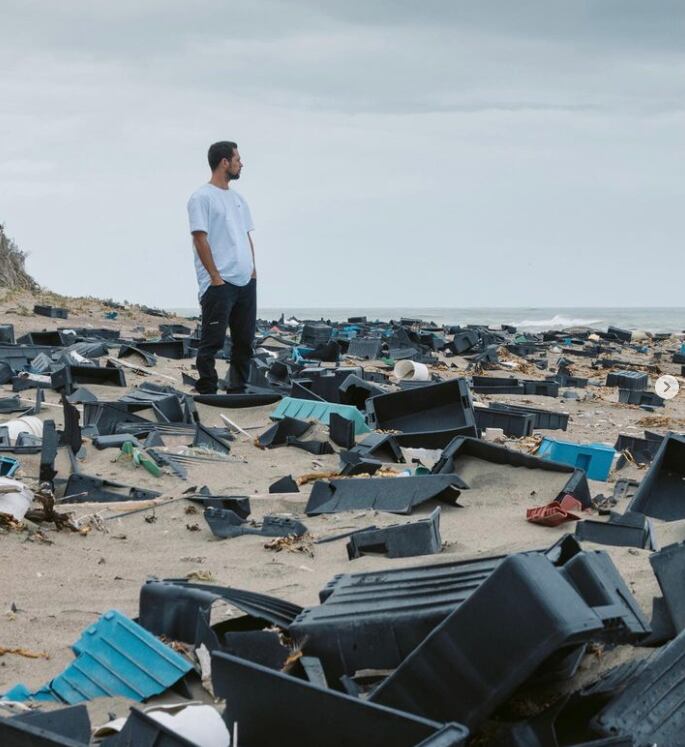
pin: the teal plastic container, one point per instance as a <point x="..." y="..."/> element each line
<point x="596" y="459"/>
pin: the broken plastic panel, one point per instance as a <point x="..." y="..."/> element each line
<point x="356" y="391"/>
<point x="376" y="619"/>
<point x="662" y="490"/>
<point x="457" y="674"/>
<point x="597" y="580"/>
<point x="396" y="495"/>
<point x="341" y="431"/>
<point x="176" y="349"/>
<point x="317" y="448"/>
<point x="463" y="341"/>
<point x="81" y="396"/>
<point x="354" y="464"/>
<point x="63" y="727"/>
<point x="71" y="436"/>
<point x="238" y="399"/>
<point x="225" y="523"/>
<point x="641" y="449"/>
<point x="179" y="609"/>
<point x="328" y="352"/>
<point x="651" y="708"/>
<point x="309" y="410"/>
<point x="65" y="378"/>
<point x="300" y="390"/>
<point x="116" y="440"/>
<point x="85" y="488"/>
<point x="48" y="452"/>
<point x="131" y="351"/>
<point x="115" y="656"/>
<point x="622" y="530"/>
<point x="669" y="569"/>
<point x="451" y="735"/>
<point x="284" y="485"/>
<point x="576" y="382"/>
<point x="142" y="730"/>
<point x="277" y="434"/>
<point x="205" y="439"/>
<point x="286" y="704"/>
<point x="399" y="540"/>
<point x="460" y="446"/>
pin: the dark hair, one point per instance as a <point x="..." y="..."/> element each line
<point x="217" y="151"/>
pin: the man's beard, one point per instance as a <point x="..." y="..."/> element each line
<point x="232" y="177"/>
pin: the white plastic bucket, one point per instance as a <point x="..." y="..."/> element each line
<point x="26" y="424"/>
<point x="411" y="371"/>
<point x="15" y="498"/>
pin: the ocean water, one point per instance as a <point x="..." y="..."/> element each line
<point x="667" y="319"/>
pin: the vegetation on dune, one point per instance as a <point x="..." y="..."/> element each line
<point x="13" y="275"/>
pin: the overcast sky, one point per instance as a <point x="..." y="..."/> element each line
<point x="397" y="152"/>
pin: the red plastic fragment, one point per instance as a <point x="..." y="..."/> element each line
<point x="556" y="512"/>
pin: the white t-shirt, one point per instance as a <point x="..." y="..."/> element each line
<point x="225" y="217"/>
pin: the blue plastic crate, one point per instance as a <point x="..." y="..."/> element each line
<point x="596" y="459"/>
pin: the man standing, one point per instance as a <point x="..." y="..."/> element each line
<point x="221" y="225"/>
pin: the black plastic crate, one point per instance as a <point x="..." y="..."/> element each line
<point x="616" y="333"/>
<point x="441" y="406"/>
<point x="7" y="334"/>
<point x="496" y="385"/>
<point x="545" y="419"/>
<point x="51" y="338"/>
<point x="635" y="397"/>
<point x="314" y="334"/>
<point x="627" y="379"/>
<point x="576" y="382"/>
<point x="514" y="424"/>
<point x="463" y="341"/>
<point x="368" y="348"/>
<point x="541" y="388"/>
<point x="54" y="312"/>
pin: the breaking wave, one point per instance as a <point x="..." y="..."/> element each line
<point x="556" y="322"/>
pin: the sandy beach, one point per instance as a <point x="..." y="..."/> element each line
<point x="58" y="582"/>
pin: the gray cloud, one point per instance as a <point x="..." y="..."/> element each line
<point x="417" y="142"/>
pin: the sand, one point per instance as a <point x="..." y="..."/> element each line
<point x="57" y="589"/>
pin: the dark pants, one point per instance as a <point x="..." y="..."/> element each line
<point x="233" y="307"/>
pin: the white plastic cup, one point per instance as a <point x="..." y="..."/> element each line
<point x="411" y="371"/>
<point x="26" y="424"/>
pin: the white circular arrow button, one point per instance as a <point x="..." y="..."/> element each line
<point x="666" y="386"/>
